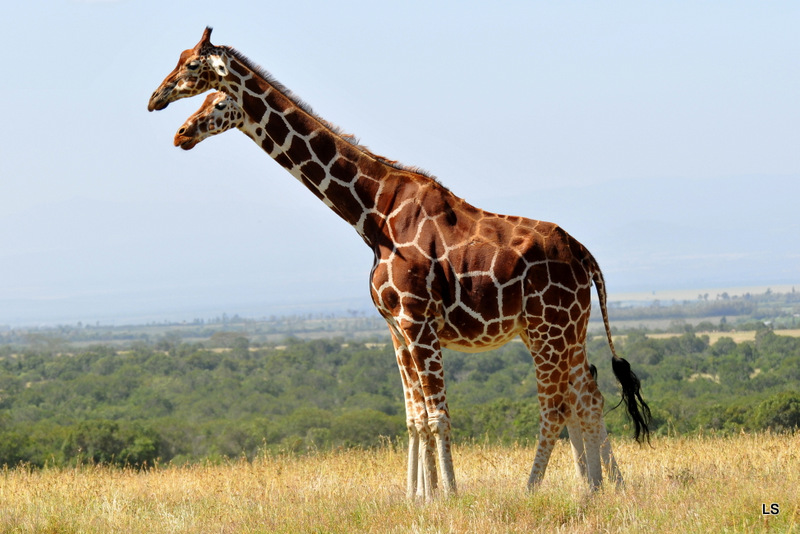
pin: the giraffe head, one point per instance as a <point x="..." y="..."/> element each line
<point x="199" y="69"/>
<point x="218" y="114"/>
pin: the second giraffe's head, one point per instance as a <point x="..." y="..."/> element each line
<point x="218" y="114"/>
<point x="199" y="69"/>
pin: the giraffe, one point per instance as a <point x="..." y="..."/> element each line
<point x="219" y="113"/>
<point x="445" y="274"/>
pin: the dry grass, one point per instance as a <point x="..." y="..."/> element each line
<point x="706" y="484"/>
<point x="713" y="337"/>
<point x="738" y="337"/>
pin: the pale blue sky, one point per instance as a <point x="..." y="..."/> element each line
<point x="553" y="110"/>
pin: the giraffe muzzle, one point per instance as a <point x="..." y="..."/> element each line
<point x="159" y="100"/>
<point x="156" y="104"/>
<point x="185" y="139"/>
<point x="186" y="144"/>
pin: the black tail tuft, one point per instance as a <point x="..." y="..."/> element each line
<point x="631" y="396"/>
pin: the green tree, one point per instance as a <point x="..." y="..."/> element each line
<point x="93" y="442"/>
<point x="142" y="447"/>
<point x="13" y="448"/>
<point x="364" y="428"/>
<point x="780" y="412"/>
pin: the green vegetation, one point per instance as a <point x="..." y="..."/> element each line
<point x="170" y="400"/>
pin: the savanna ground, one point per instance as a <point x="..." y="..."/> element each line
<point x="691" y="484"/>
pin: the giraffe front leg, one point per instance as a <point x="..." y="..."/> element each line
<point x="412" y="478"/>
<point x="430" y="460"/>
<point x="426" y="358"/>
<point x="427" y="479"/>
<point x="441" y="432"/>
<point x="421" y="479"/>
<point x="416" y="419"/>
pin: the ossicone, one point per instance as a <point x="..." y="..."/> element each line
<point x="206" y="39"/>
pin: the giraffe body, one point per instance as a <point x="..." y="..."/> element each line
<point x="446" y="274"/>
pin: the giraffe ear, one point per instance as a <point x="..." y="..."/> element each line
<point x="218" y="65"/>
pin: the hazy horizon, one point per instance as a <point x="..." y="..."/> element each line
<point x="342" y="307"/>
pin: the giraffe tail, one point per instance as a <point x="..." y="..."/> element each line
<point x="638" y="410"/>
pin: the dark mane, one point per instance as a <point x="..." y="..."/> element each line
<point x="285" y="91"/>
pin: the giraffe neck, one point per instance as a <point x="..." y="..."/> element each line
<point x="361" y="187"/>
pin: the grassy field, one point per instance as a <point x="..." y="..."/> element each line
<point x="700" y="484"/>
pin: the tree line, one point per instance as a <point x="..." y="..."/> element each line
<point x="781" y="309"/>
<point x="172" y="401"/>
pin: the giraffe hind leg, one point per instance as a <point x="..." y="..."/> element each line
<point x="550" y="426"/>
<point x="587" y="406"/>
<point x="576" y="438"/>
<point x="578" y="449"/>
<point x="586" y="449"/>
<point x="610" y="464"/>
<point x="595" y="434"/>
<point x="552" y="388"/>
<point x="577" y="441"/>
<point x="592" y="443"/>
<point x="606" y="454"/>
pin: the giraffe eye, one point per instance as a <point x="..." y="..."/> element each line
<point x="194" y="65"/>
<point x="220" y="105"/>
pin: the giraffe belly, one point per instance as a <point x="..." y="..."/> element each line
<point x="453" y="341"/>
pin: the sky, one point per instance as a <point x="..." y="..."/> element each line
<point x="664" y="136"/>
